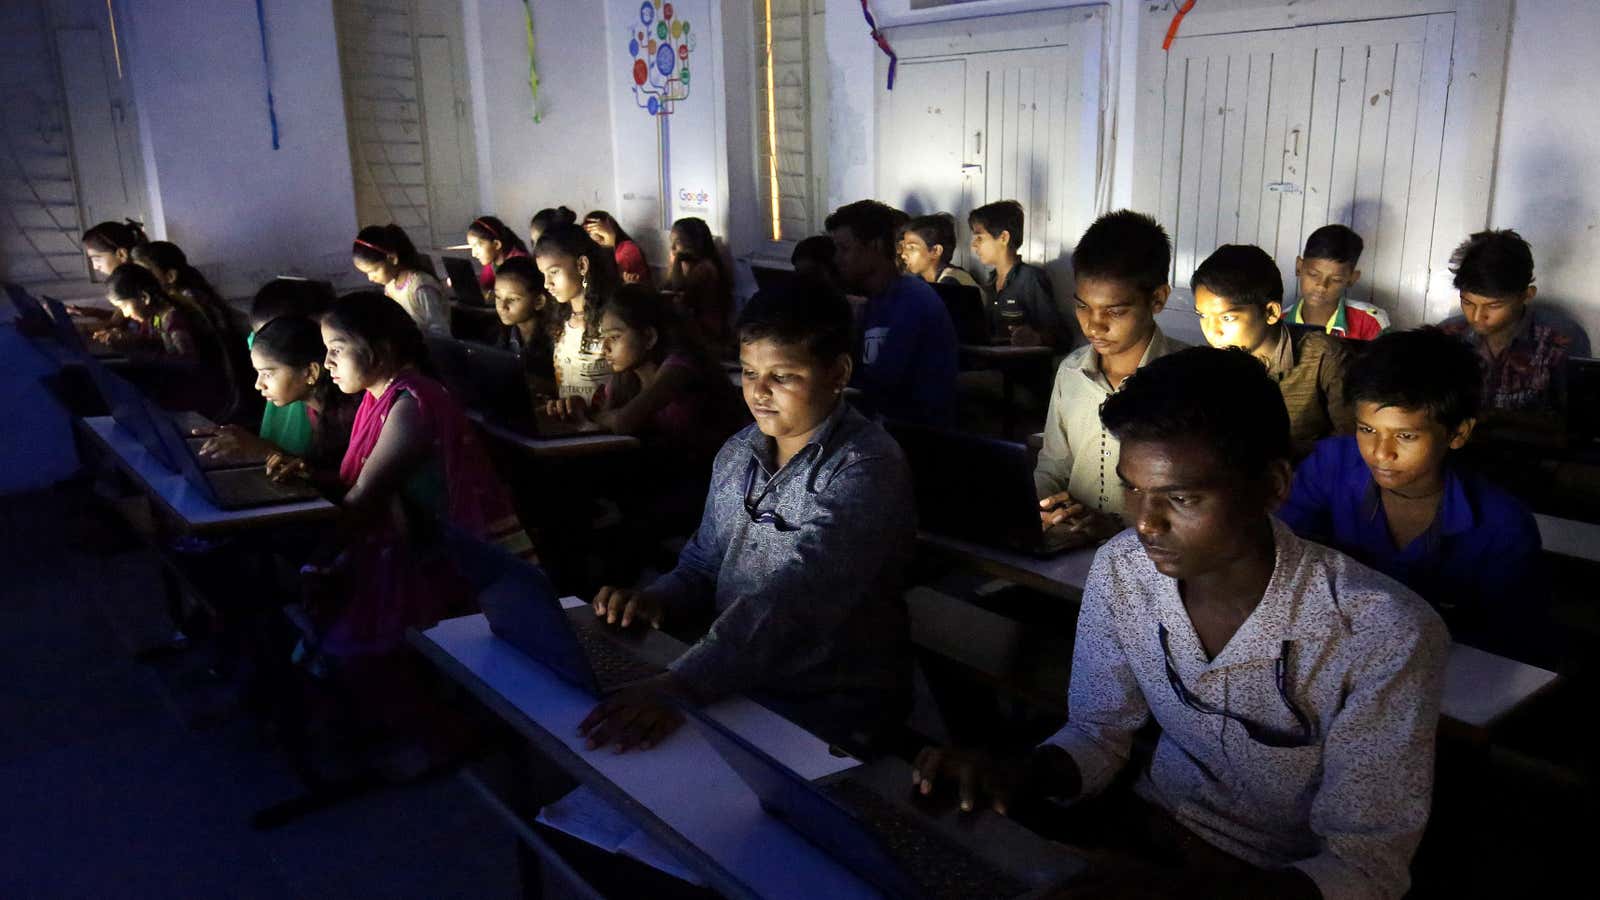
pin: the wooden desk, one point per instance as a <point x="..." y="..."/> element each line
<point x="556" y="447"/>
<point x="680" y="793"/>
<point x="1059" y="576"/>
<point x="189" y="507"/>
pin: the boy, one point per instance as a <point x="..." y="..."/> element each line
<point x="807" y="530"/>
<point x="908" y="350"/>
<point x="1121" y="265"/>
<point x="1025" y="310"/>
<point x="813" y="258"/>
<point x="1524" y="349"/>
<point x="1238" y="295"/>
<point x="927" y="246"/>
<point x="1326" y="269"/>
<point x="1390" y="497"/>
<point x="1297" y="691"/>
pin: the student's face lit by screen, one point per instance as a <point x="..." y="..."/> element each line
<point x="563" y="275"/>
<point x="990" y="249"/>
<point x="623" y="347"/>
<point x="105" y="263"/>
<point x="1114" y="316"/>
<point x="379" y="273"/>
<point x="136" y="307"/>
<point x="484" y="252"/>
<point x="1193" y="514"/>
<point x="280" y="383"/>
<point x="347" y="362"/>
<point x="1405" y="448"/>
<point x="789" y="391"/>
<point x="1492" y="316"/>
<point x="1229" y="324"/>
<point x="1323" y="281"/>
<point x="916" y="256"/>
<point x="514" y="301"/>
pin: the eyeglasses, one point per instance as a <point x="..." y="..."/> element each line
<point x="1261" y="734"/>
<point x="761" y="516"/>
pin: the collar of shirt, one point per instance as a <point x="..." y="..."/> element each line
<point x="1278" y="617"/>
<point x="1281" y="353"/>
<point x="1158" y="347"/>
<point x="1338" y="323"/>
<point x="1455" y="514"/>
<point x="765" y="449"/>
<point x="1522" y="334"/>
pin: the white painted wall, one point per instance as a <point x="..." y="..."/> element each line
<point x="1547" y="175"/>
<point x="242" y="211"/>
<point x="566" y="157"/>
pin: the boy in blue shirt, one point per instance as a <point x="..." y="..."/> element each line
<point x="1390" y="497"/>
<point x="1025" y="312"/>
<point x="908" y="343"/>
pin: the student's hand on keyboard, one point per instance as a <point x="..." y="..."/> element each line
<point x="569" y="409"/>
<point x="638" y="716"/>
<point x="233" y="442"/>
<point x="621" y="606"/>
<point x="1061" y="509"/>
<point x="1025" y="336"/>
<point x="979" y="777"/>
<point x="282" y="467"/>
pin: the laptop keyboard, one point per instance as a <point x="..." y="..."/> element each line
<point x="940" y="865"/>
<point x="613" y="665"/>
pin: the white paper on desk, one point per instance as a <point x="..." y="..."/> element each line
<point x="583" y="814"/>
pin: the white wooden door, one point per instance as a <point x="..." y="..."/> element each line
<point x="1008" y="113"/>
<point x="1268" y="135"/>
<point x="411" y="140"/>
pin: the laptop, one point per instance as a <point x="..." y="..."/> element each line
<point x="494" y="382"/>
<point x="979" y="489"/>
<point x="965" y="305"/>
<point x="1583" y="401"/>
<point x="524" y="611"/>
<point x="70" y="337"/>
<point x="227" y="489"/>
<point x="463" y="274"/>
<point x="893" y="846"/>
<point x="29" y="313"/>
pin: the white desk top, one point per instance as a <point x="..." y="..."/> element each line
<point x="682" y="783"/>
<point x="1007" y="351"/>
<point x="1480" y="687"/>
<point x="172" y="491"/>
<point x="1569" y="537"/>
<point x="576" y="445"/>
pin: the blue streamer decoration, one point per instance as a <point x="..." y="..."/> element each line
<point x="266" y="67"/>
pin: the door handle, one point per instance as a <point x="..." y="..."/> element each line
<point x="977" y="138"/>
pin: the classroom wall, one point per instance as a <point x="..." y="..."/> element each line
<point x="566" y="157"/>
<point x="1547" y="174"/>
<point x="242" y="211"/>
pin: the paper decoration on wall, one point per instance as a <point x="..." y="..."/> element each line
<point x="1172" y="30"/>
<point x="882" y="42"/>
<point x="266" y="67"/>
<point x="660" y="44"/>
<point x="533" y="71"/>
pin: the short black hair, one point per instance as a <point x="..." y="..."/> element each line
<point x="869" y="221"/>
<point x="817" y="248"/>
<point x="1336" y="243"/>
<point x="1223" y="398"/>
<point x="940" y="229"/>
<point x="1243" y="273"/>
<point x="1001" y="215"/>
<point x="1495" y="264"/>
<point x="806" y="312"/>
<point x="1420" y="369"/>
<point x="1125" y="246"/>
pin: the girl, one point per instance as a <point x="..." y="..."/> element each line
<point x="385" y="254"/>
<point x="192" y="293"/>
<point x="287" y="355"/>
<point x="492" y="243"/>
<point x="413" y="467"/>
<point x="154" y="323"/>
<point x="662" y="387"/>
<point x="524" y="309"/>
<point x="547" y="218"/>
<point x="110" y="244"/>
<point x="580" y="276"/>
<point x="700" y="281"/>
<point x="285" y="428"/>
<point x="629" y="258"/>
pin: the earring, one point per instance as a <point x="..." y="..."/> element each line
<point x="586" y="284"/>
